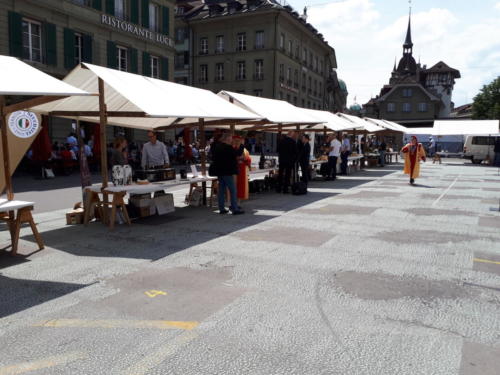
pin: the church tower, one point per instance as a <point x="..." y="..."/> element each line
<point x="407" y="65"/>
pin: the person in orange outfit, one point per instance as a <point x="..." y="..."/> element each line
<point x="244" y="164"/>
<point x="413" y="153"/>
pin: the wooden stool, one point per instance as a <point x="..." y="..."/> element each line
<point x="14" y="223"/>
<point x="92" y="202"/>
<point x="117" y="203"/>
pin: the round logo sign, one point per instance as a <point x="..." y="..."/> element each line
<point x="23" y="124"/>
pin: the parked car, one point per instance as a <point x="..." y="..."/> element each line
<point x="478" y="147"/>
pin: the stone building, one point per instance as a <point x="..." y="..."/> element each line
<point x="261" y="48"/>
<point x="415" y="95"/>
<point x="55" y="35"/>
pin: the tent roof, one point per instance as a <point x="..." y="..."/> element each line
<point x="363" y="124"/>
<point x="330" y="120"/>
<point x="276" y="111"/>
<point x="19" y="78"/>
<point x="160" y="103"/>
<point x="389" y="125"/>
<point x="417" y="131"/>
<point x="465" y="127"/>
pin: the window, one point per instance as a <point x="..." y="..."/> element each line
<point x="310" y="59"/>
<point x="483" y="141"/>
<point x="288" y="98"/>
<point x="422" y="107"/>
<point x="179" y="11"/>
<point x="290" y="47"/>
<point x="120" y="9"/>
<point x="259" y="69"/>
<point x="282" y="72"/>
<point x="78" y="48"/>
<point x="281" y="95"/>
<point x="391" y="107"/>
<point x="219" y="72"/>
<point x="32" y="40"/>
<point x="289" y="76"/>
<point x="282" y="41"/>
<point x="316" y="63"/>
<point x="203" y="46"/>
<point x="303" y="103"/>
<point x="179" y="61"/>
<point x="296" y="79"/>
<point x="257" y="93"/>
<point x="242" y="41"/>
<point x="83" y="2"/>
<point x="297" y="51"/>
<point x="320" y="92"/>
<point x="203" y="73"/>
<point x="309" y="87"/>
<point x="180" y="34"/>
<point x="294" y="100"/>
<point x="321" y="67"/>
<point x="407" y="93"/>
<point x="241" y="70"/>
<point x="315" y="87"/>
<point x="259" y="39"/>
<point x="406" y="107"/>
<point x="304" y="56"/>
<point x="154" y="17"/>
<point x="122" y="56"/>
<point x="219" y="44"/>
<point x="155" y="66"/>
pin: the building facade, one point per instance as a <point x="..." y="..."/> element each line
<point x="416" y="95"/>
<point x="261" y="48"/>
<point x="56" y="35"/>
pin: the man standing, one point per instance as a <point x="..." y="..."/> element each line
<point x="287" y="156"/>
<point x="497" y="151"/>
<point x="345" y="151"/>
<point x="304" y="157"/>
<point x="225" y="166"/>
<point x="154" y="153"/>
<point x="382" y="148"/>
<point x="333" y="155"/>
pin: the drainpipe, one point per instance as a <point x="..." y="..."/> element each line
<point x="275" y="53"/>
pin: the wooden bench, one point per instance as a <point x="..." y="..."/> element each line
<point x="8" y="214"/>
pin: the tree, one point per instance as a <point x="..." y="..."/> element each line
<point x="486" y="105"/>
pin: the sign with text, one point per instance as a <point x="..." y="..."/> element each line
<point x="136" y="30"/>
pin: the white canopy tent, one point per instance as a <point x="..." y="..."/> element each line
<point x="419" y="131"/>
<point x="388" y="125"/>
<point x="273" y="110"/>
<point x="362" y="124"/>
<point x="20" y="79"/>
<point x="330" y="121"/>
<point x="129" y="97"/>
<point x="465" y="127"/>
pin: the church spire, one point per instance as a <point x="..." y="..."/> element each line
<point x="408" y="44"/>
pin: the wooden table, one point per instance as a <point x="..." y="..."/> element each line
<point x="118" y="194"/>
<point x="389" y="155"/>
<point x="14" y="221"/>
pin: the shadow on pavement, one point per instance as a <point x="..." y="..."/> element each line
<point x="18" y="295"/>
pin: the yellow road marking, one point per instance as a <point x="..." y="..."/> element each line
<point x="118" y="323"/>
<point x="154" y="293"/>
<point x="56" y="360"/>
<point x="158" y="356"/>
<point x="479" y="260"/>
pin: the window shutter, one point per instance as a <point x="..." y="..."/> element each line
<point x="112" y="55"/>
<point x="97" y="4"/>
<point x="164" y="68"/>
<point x="69" y="49"/>
<point x="145" y="13"/>
<point x="87" y="48"/>
<point x="146" y="64"/>
<point x="134" y="11"/>
<point x="110" y="7"/>
<point x="133" y="60"/>
<point x="15" y="34"/>
<point x="50" y="43"/>
<point x="166" y="20"/>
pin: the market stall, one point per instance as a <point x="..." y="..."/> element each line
<point x="19" y="129"/>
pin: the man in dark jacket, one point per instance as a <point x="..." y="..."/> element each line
<point x="497" y="151"/>
<point x="287" y="157"/>
<point x="225" y="166"/>
<point x="304" y="157"/>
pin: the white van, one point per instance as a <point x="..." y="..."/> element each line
<point x="478" y="147"/>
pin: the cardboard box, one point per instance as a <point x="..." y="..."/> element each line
<point x="146" y="211"/>
<point x="164" y="204"/>
<point x="75" y="217"/>
<point x="141" y="201"/>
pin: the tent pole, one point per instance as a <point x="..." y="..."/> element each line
<point x="203" y="143"/>
<point x="5" y="150"/>
<point x="103" y="124"/>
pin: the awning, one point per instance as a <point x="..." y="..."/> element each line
<point x="140" y="102"/>
<point x="465" y="127"/>
<point x="19" y="78"/>
<point x="273" y="110"/>
<point x="362" y="124"/>
<point x="330" y="120"/>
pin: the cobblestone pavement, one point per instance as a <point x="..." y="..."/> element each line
<point x="364" y="275"/>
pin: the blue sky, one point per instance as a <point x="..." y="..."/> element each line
<point x="368" y="34"/>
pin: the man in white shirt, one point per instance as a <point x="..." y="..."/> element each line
<point x="333" y="155"/>
<point x="154" y="153"/>
<point x="345" y="151"/>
